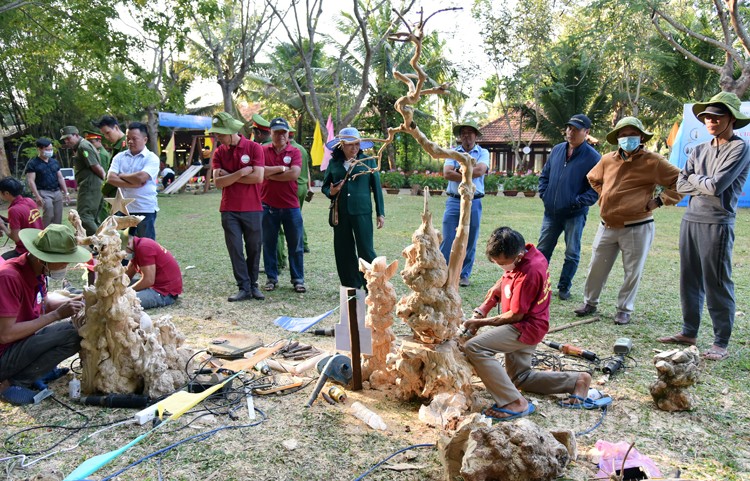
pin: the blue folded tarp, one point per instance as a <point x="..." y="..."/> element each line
<point x="300" y="324"/>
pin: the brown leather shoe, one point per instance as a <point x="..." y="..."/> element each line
<point x="585" y="310"/>
<point x="622" y="318"/>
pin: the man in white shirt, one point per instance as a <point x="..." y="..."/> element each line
<point x="136" y="171"/>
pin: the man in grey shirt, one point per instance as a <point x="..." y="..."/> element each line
<point x="713" y="176"/>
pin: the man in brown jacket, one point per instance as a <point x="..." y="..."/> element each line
<point x="626" y="181"/>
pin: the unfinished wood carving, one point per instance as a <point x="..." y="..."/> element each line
<point x="678" y="370"/>
<point x="121" y="351"/>
<point x="380" y="300"/>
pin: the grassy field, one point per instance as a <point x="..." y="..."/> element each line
<point x="709" y="443"/>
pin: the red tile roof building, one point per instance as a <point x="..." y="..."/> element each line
<point x="498" y="136"/>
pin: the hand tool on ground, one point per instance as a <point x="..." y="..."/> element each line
<point x="572" y="350"/>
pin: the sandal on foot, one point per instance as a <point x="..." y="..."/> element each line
<point x="510" y="414"/>
<point x="270" y="285"/>
<point x="677" y="339"/>
<point x="714" y="354"/>
<point x="588" y="403"/>
<point x="300" y="288"/>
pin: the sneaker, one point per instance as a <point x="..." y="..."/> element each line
<point x="464" y="282"/>
<point x="585" y="310"/>
<point x="563" y="295"/>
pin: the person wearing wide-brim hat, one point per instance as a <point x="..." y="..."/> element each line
<point x="353" y="186"/>
<point x="713" y="176"/>
<point x="626" y="180"/>
<point x="34" y="337"/>
<point x="238" y="165"/>
<point x="467" y="133"/>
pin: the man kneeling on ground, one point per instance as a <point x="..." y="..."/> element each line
<point x="524" y="294"/>
<point x="161" y="280"/>
<point x="32" y="341"/>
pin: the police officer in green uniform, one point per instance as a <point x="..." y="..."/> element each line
<point x="353" y="236"/>
<point x="109" y="127"/>
<point x="89" y="176"/>
<point x="96" y="141"/>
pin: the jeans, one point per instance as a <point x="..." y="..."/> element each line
<point x="146" y="227"/>
<point x="291" y="219"/>
<point x="242" y="235"/>
<point x="552" y="227"/>
<point x="450" y="224"/>
<point x="150" y="299"/>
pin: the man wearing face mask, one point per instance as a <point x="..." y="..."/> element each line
<point x="714" y="176"/>
<point x="626" y="181"/>
<point x="161" y="280"/>
<point x="523" y="293"/>
<point x="46" y="182"/>
<point x="34" y="337"/>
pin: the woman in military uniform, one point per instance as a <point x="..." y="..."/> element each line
<point x="350" y="183"/>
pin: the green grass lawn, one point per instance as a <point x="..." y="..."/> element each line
<point x="710" y="442"/>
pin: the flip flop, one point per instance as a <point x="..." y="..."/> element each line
<point x="20" y="396"/>
<point x="300" y="288"/>
<point x="270" y="286"/>
<point x="587" y="403"/>
<point x="511" y="414"/>
<point x="715" y="355"/>
<point x="677" y="339"/>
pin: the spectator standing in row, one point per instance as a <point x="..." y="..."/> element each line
<point x="281" y="206"/>
<point x="96" y="141"/>
<point x="567" y="195"/>
<point x="238" y="166"/>
<point x="626" y="181"/>
<point x="467" y="134"/>
<point x="89" y="177"/>
<point x="136" y="171"/>
<point x="46" y="182"/>
<point x="714" y="176"/>
<point x="109" y="127"/>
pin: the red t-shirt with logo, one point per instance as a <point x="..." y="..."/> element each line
<point x="239" y="197"/>
<point x="22" y="292"/>
<point x="147" y="252"/>
<point x="23" y="213"/>
<point x="281" y="195"/>
<point x="526" y="290"/>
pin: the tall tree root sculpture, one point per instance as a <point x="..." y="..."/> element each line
<point x="122" y="351"/>
<point x="678" y="369"/>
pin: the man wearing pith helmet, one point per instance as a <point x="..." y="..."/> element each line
<point x="467" y="134"/>
<point x="626" y="180"/>
<point x="238" y="165"/>
<point x="713" y="177"/>
<point x="33" y="336"/>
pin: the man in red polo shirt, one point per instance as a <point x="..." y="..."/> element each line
<point x="161" y="279"/>
<point x="524" y="295"/>
<point x="34" y="338"/>
<point x="22" y="214"/>
<point x="238" y="172"/>
<point x="281" y="206"/>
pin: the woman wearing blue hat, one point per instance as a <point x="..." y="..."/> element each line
<point x="349" y="184"/>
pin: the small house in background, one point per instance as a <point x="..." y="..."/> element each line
<point x="499" y="135"/>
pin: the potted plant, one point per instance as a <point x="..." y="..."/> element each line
<point x="437" y="184"/>
<point x="530" y="185"/>
<point x="416" y="182"/>
<point x="492" y="183"/>
<point x="392" y="181"/>
<point x="511" y="186"/>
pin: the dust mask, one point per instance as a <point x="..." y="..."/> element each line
<point x="629" y="144"/>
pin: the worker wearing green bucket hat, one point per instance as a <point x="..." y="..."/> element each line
<point x="714" y="176"/>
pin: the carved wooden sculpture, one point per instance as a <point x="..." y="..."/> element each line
<point x="121" y="352"/>
<point x="380" y="301"/>
<point x="678" y="370"/>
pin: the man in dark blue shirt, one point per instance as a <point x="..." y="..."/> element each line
<point x="567" y="195"/>
<point x="46" y="182"/>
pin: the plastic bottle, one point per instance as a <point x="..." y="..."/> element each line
<point x="74" y="388"/>
<point x="370" y="418"/>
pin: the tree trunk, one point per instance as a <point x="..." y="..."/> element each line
<point x="153" y="129"/>
<point x="4" y="166"/>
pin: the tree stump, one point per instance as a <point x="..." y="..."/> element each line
<point x="677" y="370"/>
<point x="518" y="451"/>
<point x="121" y="351"/>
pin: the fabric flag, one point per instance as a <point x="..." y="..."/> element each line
<point x="330" y="136"/>
<point x="170" y="151"/>
<point x="208" y="141"/>
<point x="318" y="149"/>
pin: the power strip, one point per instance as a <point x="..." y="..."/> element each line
<point x="146" y="415"/>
